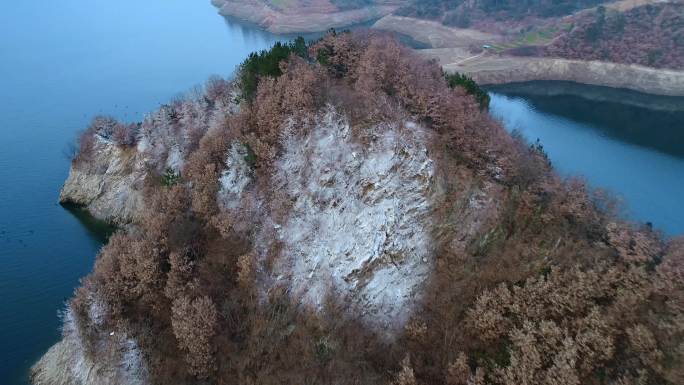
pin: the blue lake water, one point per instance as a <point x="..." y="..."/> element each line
<point x="629" y="144"/>
<point x="64" y="62"/>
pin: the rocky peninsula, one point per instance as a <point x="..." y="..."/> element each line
<point x="343" y="213"/>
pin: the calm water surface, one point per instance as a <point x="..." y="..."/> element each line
<point x="63" y="62"/>
<point x="625" y="142"/>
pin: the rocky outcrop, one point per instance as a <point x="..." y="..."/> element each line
<point x="109" y="187"/>
<point x="108" y="180"/>
<point x="359" y="226"/>
<point x="65" y="364"/>
<point x="354" y="217"/>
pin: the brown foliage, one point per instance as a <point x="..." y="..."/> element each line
<point x="650" y="35"/>
<point x="194" y="325"/>
<point x="125" y="134"/>
<point x="537" y="285"/>
<point x="565" y="327"/>
<point x="218" y="89"/>
<point x="203" y="168"/>
<point x="180" y="276"/>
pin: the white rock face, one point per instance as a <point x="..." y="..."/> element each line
<point x="109" y="184"/>
<point x="235" y="178"/>
<point x="359" y="225"/>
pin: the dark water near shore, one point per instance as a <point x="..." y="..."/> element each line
<point x="628" y="143"/>
<point x="64" y="62"/>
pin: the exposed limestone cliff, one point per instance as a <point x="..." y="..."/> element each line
<point x="108" y="180"/>
<point x="110" y="186"/>
<point x="361" y="222"/>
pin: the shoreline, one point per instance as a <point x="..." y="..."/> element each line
<point x="451" y="47"/>
<point x="293" y="23"/>
<point x="507" y="70"/>
<point x="541" y="88"/>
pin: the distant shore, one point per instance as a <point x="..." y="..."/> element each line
<point x="453" y="49"/>
<point x="291" y="23"/>
<point x="503" y="70"/>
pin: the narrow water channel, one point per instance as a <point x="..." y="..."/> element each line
<point x="627" y="143"/>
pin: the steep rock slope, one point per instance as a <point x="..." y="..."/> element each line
<point x="361" y="216"/>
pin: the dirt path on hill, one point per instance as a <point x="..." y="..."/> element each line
<point x="452" y="47"/>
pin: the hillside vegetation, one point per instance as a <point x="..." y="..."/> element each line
<point x="230" y="273"/>
<point x="463" y="13"/>
<point x="650" y="35"/>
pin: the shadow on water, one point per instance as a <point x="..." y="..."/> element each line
<point x="99" y="230"/>
<point x="628" y="116"/>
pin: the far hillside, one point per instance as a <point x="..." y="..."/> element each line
<point x="302" y="16"/>
<point x="651" y="35"/>
<point x="644" y="32"/>
<point x="462" y="13"/>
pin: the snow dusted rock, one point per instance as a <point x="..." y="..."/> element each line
<point x="109" y="183"/>
<point x="360" y="218"/>
<point x="109" y="187"/>
<point x="235" y="178"/>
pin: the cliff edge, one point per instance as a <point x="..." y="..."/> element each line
<point x="116" y="161"/>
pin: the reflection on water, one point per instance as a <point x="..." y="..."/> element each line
<point x="650" y="121"/>
<point x="100" y="231"/>
<point x="634" y="149"/>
